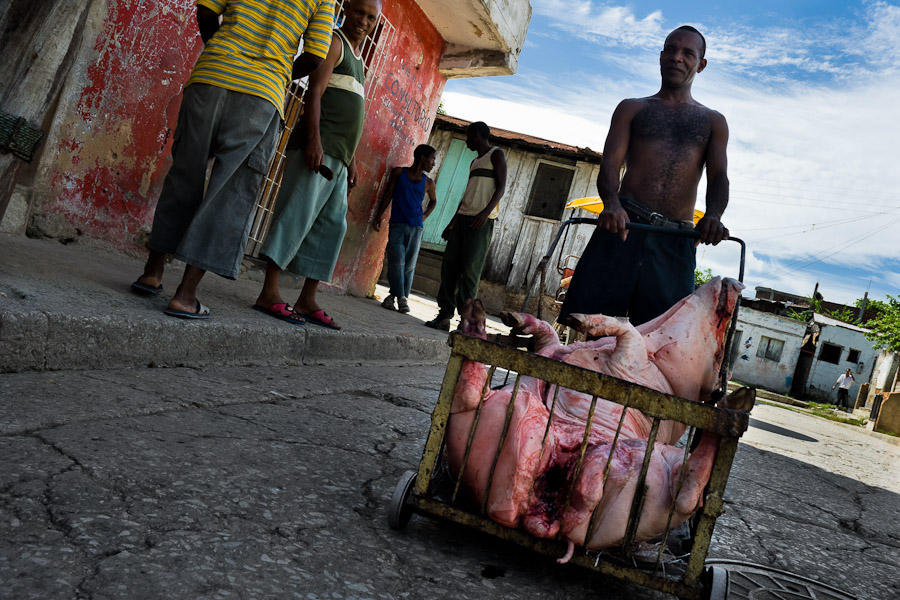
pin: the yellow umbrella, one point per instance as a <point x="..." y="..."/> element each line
<point x="594" y="205"/>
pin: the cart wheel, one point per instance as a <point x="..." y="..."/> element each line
<point x="737" y="580"/>
<point x="399" y="512"/>
<point x="717" y="577"/>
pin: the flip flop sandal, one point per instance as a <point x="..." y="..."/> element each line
<point x="142" y="289"/>
<point x="202" y="312"/>
<point x="281" y="311"/>
<point x="320" y="318"/>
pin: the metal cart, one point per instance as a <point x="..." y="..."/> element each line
<point x="432" y="490"/>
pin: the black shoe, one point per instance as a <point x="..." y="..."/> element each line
<point x="439" y="322"/>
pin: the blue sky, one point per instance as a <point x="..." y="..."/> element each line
<point x="811" y="91"/>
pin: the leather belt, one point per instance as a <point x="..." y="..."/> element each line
<point x="651" y="217"/>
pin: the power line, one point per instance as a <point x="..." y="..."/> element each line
<point x="841" y="205"/>
<point x="815" y="228"/>
<point x="849" y="243"/>
<point x="826" y="189"/>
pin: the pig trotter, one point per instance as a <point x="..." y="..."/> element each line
<point x="741" y="399"/>
<point x="544" y="335"/>
<point x="570" y="551"/>
<point x="472" y="318"/>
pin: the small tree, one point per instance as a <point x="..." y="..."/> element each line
<point x="885" y="328"/>
<point x="815" y="306"/>
<point x="701" y="277"/>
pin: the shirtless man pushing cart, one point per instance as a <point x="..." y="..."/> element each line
<point x="665" y="141"/>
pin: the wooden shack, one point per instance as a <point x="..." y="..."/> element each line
<point x="542" y="177"/>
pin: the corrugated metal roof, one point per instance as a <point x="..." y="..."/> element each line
<point x="513" y="138"/>
<point x="823" y="320"/>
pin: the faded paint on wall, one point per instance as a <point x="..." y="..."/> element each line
<point x="398" y="119"/>
<point x="759" y="371"/>
<point x="114" y="125"/>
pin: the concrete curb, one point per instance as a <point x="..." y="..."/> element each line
<point x="38" y="341"/>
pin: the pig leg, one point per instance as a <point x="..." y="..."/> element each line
<point x="699" y="464"/>
<point x="473" y="375"/>
<point x="545" y="338"/>
<point x="629" y="360"/>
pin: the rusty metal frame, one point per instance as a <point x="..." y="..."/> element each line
<point x="728" y="424"/>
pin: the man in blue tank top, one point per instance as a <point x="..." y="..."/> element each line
<point x="406" y="188"/>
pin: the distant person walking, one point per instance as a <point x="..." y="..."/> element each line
<point x="843" y="384"/>
<point x="406" y="191"/>
<point x="231" y="112"/>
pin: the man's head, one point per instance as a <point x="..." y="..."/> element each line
<point x="682" y="57"/>
<point x="424" y="156"/>
<point x="360" y="18"/>
<point x="849" y="373"/>
<point x="477" y="135"/>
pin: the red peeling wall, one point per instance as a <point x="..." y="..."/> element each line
<point x="115" y="132"/>
<point x="115" y="124"/>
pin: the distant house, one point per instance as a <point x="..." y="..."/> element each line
<point x="841" y="346"/>
<point x="804" y="359"/>
<point x="765" y="349"/>
<point x="542" y="177"/>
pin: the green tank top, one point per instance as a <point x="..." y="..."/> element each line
<point x="343" y="105"/>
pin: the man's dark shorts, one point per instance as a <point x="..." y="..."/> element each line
<point x="640" y="278"/>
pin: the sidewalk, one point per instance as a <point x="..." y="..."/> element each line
<point x="70" y="307"/>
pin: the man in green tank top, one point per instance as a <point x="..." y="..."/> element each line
<point x="310" y="211"/>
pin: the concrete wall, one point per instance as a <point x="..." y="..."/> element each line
<point x="883" y="374"/>
<point x="759" y="371"/>
<point x="38" y="45"/>
<point x="889" y="416"/>
<point x="520" y="241"/>
<point x="822" y="375"/>
<point x="110" y="140"/>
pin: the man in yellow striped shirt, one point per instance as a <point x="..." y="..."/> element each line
<point x="231" y="112"/>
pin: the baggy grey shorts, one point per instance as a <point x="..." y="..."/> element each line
<point x="209" y="228"/>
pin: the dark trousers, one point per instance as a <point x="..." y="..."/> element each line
<point x="640" y="278"/>
<point x="843" y="398"/>
<point x="463" y="262"/>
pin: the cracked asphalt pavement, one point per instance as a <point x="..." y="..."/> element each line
<point x="273" y="482"/>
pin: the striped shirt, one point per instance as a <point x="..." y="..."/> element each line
<point x="253" y="50"/>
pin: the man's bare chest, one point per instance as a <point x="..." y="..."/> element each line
<point x="682" y="126"/>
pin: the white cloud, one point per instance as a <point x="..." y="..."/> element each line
<point x="602" y="23"/>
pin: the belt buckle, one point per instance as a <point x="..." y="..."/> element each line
<point x="657" y="220"/>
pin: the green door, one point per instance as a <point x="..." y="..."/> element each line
<point x="449" y="188"/>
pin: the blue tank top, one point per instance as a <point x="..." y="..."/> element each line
<point x="407" y="200"/>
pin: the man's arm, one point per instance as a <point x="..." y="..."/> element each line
<point x="312" y="104"/>
<point x="305" y="64"/>
<point x="432" y="197"/>
<point x="613" y="218"/>
<point x="498" y="160"/>
<point x="710" y="226"/>
<point x="316" y="41"/>
<point x="386" y="198"/>
<point x="208" y="23"/>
